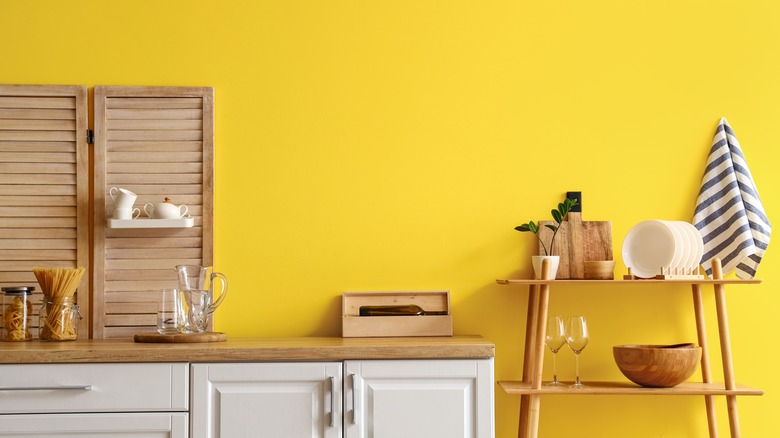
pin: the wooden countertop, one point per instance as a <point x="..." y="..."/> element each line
<point x="248" y="350"/>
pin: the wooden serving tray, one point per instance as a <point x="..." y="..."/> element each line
<point x="181" y="338"/>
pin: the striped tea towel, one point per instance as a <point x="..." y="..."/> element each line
<point x="729" y="214"/>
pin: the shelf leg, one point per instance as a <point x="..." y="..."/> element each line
<point x="725" y="347"/>
<point x="528" y="356"/>
<point x="706" y="373"/>
<point x="541" y="327"/>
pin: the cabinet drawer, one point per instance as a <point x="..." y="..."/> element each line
<point x="94" y="387"/>
<point x="111" y="425"/>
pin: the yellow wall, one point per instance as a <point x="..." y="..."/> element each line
<point x="393" y="145"/>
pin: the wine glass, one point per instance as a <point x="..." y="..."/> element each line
<point x="577" y="339"/>
<point x="554" y="339"/>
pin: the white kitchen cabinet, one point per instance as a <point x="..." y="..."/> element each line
<point x="382" y="399"/>
<point x="290" y="400"/>
<point x="243" y="387"/>
<point x="419" y="399"/>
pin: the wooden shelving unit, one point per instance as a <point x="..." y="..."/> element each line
<point x="531" y="389"/>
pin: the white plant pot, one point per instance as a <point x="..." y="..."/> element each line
<point x="537" y="262"/>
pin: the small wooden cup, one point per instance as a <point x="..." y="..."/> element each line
<point x="600" y="270"/>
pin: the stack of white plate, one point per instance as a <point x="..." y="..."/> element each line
<point x="662" y="247"/>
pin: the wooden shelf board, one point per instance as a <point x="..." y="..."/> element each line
<point x="627" y="388"/>
<point x="632" y="282"/>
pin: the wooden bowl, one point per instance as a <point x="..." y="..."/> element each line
<point x="599" y="269"/>
<point x="657" y="366"/>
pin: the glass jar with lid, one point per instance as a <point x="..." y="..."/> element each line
<point x="59" y="319"/>
<point x="17" y="313"/>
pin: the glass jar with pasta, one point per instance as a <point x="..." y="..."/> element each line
<point x="59" y="319"/>
<point x="17" y="313"/>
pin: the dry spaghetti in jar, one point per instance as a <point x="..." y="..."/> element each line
<point x="17" y="313"/>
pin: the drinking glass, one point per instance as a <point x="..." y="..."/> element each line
<point x="554" y="339"/>
<point x="577" y="339"/>
<point x="169" y="313"/>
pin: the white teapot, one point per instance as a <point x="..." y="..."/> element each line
<point x="165" y="210"/>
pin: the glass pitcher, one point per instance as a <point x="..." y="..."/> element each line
<point x="196" y="286"/>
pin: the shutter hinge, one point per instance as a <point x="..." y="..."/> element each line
<point x="90" y="136"/>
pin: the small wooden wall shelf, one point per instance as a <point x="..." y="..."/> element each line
<point x="531" y="389"/>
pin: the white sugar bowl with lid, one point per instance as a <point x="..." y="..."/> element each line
<point x="165" y="210"/>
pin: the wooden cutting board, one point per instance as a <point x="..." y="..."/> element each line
<point x="181" y="337"/>
<point x="577" y="242"/>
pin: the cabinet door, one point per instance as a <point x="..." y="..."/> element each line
<point x="94" y="425"/>
<point x="419" y="399"/>
<point x="290" y="400"/>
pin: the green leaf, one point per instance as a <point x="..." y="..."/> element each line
<point x="558" y="214"/>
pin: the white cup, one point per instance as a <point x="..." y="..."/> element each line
<point x="122" y="198"/>
<point x="127" y="213"/>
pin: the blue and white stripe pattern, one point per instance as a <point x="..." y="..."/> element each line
<point x="729" y="214"/>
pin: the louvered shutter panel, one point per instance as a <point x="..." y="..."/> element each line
<point x="44" y="186"/>
<point x="155" y="142"/>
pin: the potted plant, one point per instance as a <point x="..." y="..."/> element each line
<point x="532" y="227"/>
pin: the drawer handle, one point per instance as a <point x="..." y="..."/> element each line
<point x="47" y="388"/>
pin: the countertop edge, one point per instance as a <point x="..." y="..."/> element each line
<point x="248" y="350"/>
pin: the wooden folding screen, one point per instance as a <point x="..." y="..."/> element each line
<point x="44" y="186"/>
<point x="155" y="142"/>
